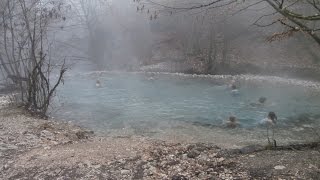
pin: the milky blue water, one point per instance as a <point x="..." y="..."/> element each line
<point x="145" y="103"/>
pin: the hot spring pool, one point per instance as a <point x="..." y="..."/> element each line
<point x="187" y="108"/>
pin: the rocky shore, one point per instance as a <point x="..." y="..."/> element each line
<point x="32" y="148"/>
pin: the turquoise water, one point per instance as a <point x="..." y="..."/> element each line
<point x="147" y="105"/>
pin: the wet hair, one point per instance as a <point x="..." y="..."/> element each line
<point x="232" y="119"/>
<point x="233" y="87"/>
<point x="272" y="116"/>
<point x="262" y="100"/>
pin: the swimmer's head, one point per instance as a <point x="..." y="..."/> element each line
<point x="272" y="116"/>
<point x="232" y="119"/>
<point x="98" y="84"/>
<point x="233" y="86"/>
<point x="262" y="100"/>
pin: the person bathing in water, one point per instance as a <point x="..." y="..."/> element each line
<point x="232" y="122"/>
<point x="270" y="122"/>
<point x="232" y="86"/>
<point x="273" y="117"/>
<point x="151" y="77"/>
<point x="260" y="102"/>
<point x="98" y="83"/>
<point x="231" y="83"/>
<point x="234" y="90"/>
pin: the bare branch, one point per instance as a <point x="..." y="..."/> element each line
<point x="263" y="16"/>
<point x="187" y="7"/>
<point x="265" y="25"/>
<point x="293" y="19"/>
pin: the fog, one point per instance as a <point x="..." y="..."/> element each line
<point x="159" y="89"/>
<point x="110" y="35"/>
<point x="115" y="35"/>
<point x="158" y="36"/>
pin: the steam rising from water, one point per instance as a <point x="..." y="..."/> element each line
<point x="188" y="105"/>
<point x="118" y="37"/>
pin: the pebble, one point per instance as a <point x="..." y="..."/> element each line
<point x="121" y="161"/>
<point x="279" y="167"/>
<point x="193" y="154"/>
<point x="125" y="172"/>
<point x="178" y="177"/>
<point x="5" y="147"/>
<point x="47" y="134"/>
<point x="220" y="159"/>
<point x="312" y="166"/>
<point x="152" y="169"/>
<point x="212" y="178"/>
<point x="184" y="156"/>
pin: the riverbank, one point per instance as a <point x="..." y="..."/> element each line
<point x="267" y="69"/>
<point x="32" y="148"/>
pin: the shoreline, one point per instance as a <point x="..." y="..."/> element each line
<point x="246" y="78"/>
<point x="33" y="148"/>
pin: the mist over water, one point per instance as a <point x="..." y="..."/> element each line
<point x="121" y="36"/>
<point x="114" y="35"/>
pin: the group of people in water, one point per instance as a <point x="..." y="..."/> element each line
<point x="233" y="122"/>
<point x="269" y="121"/>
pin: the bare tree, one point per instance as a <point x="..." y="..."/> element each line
<point x="25" y="50"/>
<point x="296" y="16"/>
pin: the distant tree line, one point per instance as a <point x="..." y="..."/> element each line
<point x="207" y="30"/>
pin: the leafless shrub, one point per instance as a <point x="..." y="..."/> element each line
<point x="24" y="51"/>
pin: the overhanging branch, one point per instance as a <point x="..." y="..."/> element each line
<point x="300" y="25"/>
